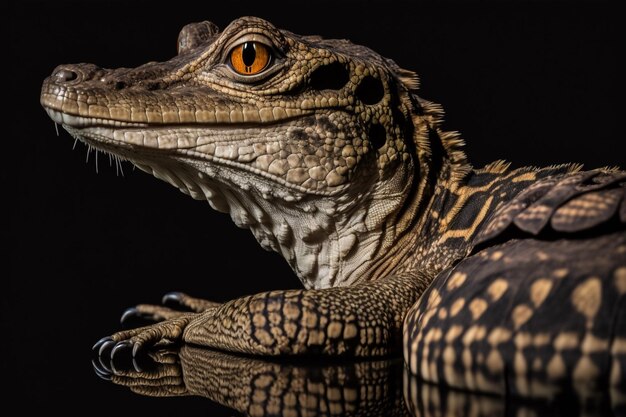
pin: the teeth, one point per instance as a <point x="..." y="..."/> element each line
<point x="79" y="121"/>
<point x="56" y="116"/>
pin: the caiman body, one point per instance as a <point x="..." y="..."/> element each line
<point x="496" y="279"/>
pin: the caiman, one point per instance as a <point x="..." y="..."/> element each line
<point x="492" y="279"/>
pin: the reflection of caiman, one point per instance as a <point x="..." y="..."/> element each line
<point x="257" y="388"/>
<point x="323" y="149"/>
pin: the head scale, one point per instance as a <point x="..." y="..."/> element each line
<point x="320" y="147"/>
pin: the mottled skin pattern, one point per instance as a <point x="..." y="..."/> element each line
<point x="375" y="388"/>
<point x="532" y="315"/>
<point x="259" y="388"/>
<point x="330" y="158"/>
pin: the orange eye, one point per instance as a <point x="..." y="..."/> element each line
<point x="250" y="58"/>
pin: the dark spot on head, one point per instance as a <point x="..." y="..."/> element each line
<point x="119" y="85"/>
<point x="297" y="134"/>
<point x="149" y="84"/>
<point x="329" y="77"/>
<point x="370" y="90"/>
<point x="326" y="125"/>
<point x="377" y="135"/>
<point x="307" y="121"/>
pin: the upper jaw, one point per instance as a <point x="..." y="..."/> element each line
<point x="109" y="95"/>
<point x="81" y="121"/>
<point x="213" y="150"/>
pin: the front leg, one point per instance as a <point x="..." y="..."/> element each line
<point x="363" y="320"/>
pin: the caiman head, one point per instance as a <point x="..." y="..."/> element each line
<point x="320" y="147"/>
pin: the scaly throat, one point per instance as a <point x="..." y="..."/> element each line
<point x="327" y="240"/>
<point x="323" y="150"/>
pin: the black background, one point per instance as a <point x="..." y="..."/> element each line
<point x="531" y="82"/>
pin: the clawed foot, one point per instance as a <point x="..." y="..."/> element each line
<point x="126" y="346"/>
<point x="166" y="324"/>
<point x="174" y="304"/>
<point x="156" y="374"/>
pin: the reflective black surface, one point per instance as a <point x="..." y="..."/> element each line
<point x="374" y="388"/>
<point x="531" y="82"/>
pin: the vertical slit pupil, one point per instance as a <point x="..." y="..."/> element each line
<point x="248" y="54"/>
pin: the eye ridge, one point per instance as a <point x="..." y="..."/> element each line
<point x="250" y="58"/>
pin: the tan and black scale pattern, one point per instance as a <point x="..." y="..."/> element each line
<point x="362" y="320"/>
<point x="340" y="85"/>
<point x="574" y="203"/>
<point x="424" y="399"/>
<point x="525" y="316"/>
<point x="374" y="388"/>
<point x="261" y="388"/>
<point x="332" y="141"/>
<point x="466" y="207"/>
<point x="532" y="316"/>
<point x="453" y="224"/>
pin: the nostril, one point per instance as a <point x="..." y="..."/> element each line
<point x="65" y="75"/>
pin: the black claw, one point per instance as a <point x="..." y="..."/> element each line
<point x="175" y="298"/>
<point x="145" y="363"/>
<point x="132" y="317"/>
<point x="103" y="375"/>
<point x="129" y="313"/>
<point x="105" y="365"/>
<point x="121" y="357"/>
<point x="106" y="377"/>
<point x="105" y="348"/>
<point x="114" y="369"/>
<point x="104" y="355"/>
<point x="124" y="345"/>
<point x="136" y="365"/>
<point x="136" y="348"/>
<point x="99" y="370"/>
<point x="96" y="348"/>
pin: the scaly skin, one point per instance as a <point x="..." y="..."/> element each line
<point x="325" y="152"/>
<point x="260" y="388"/>
<point x="375" y="388"/>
